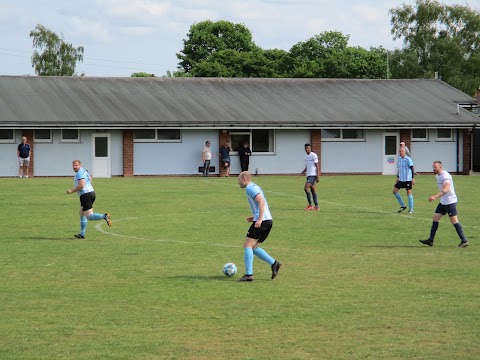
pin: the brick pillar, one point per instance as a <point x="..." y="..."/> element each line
<point x="223" y="137"/>
<point x="31" y="166"/>
<point x="127" y="153"/>
<point x="316" y="142"/>
<point x="406" y="137"/>
<point x="467" y="151"/>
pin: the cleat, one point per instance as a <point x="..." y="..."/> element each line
<point x="108" y="220"/>
<point x="79" y="236"/>
<point x="316" y="208"/>
<point x="410" y="211"/>
<point x="427" y="242"/>
<point x="309" y="207"/>
<point x="463" y="244"/>
<point x="275" y="267"/>
<point x="246" y="278"/>
<point x="402" y="208"/>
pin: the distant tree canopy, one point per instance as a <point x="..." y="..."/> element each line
<point x="52" y="55"/>
<point x="437" y="38"/>
<point x="142" y="74"/>
<point x="224" y="49"/>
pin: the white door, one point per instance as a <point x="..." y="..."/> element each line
<point x="102" y="165"/>
<point x="391" y="143"/>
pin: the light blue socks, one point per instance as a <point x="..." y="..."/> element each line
<point x="410" y="202"/>
<point x="83" y="225"/>
<point x="248" y="258"/>
<point x="262" y="254"/>
<point x="96" y="216"/>
<point x="399" y="199"/>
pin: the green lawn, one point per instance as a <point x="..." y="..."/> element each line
<point x="356" y="283"/>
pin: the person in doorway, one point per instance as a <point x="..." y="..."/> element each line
<point x="244" y="153"/>
<point x="405" y="180"/>
<point x="312" y="170"/>
<point x="447" y="205"/>
<point x="225" y="156"/>
<point x="23" y="153"/>
<point x="206" y="158"/>
<point x="84" y="188"/>
<point x="262" y="222"/>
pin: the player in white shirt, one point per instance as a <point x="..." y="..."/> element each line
<point x="312" y="169"/>
<point x="448" y="204"/>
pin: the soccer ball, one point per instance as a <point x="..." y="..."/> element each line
<point x="229" y="269"/>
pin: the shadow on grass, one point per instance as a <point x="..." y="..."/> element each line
<point x="51" y="238"/>
<point x="398" y="246"/>
<point x="196" y="277"/>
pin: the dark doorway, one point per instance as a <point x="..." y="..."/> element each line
<point x="476" y="150"/>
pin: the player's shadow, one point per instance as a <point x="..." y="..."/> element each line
<point x="50" y="238"/>
<point x="194" y="277"/>
<point x="395" y="246"/>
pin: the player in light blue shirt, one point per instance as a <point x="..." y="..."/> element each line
<point x="262" y="222"/>
<point x="84" y="188"/>
<point x="405" y="180"/>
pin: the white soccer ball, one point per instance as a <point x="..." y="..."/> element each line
<point x="229" y="269"/>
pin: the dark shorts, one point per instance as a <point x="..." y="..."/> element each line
<point x="311" y="180"/>
<point x="226" y="162"/>
<point x="260" y="234"/>
<point x="450" y="209"/>
<point x="87" y="200"/>
<point x="404" y="185"/>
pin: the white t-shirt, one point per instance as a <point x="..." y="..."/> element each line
<point x="450" y="197"/>
<point x="310" y="160"/>
<point x="207" y="153"/>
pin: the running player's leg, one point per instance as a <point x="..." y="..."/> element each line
<point x="313" y="189"/>
<point x="458" y="227"/>
<point x="410" y="200"/>
<point x="398" y="196"/>
<point x="308" y="193"/>
<point x="433" y="230"/>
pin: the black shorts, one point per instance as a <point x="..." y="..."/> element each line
<point x="260" y="234"/>
<point x="404" y="185"/>
<point x="87" y="200"/>
<point x="311" y="180"/>
<point x="450" y="209"/>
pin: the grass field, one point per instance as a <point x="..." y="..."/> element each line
<point x="356" y="283"/>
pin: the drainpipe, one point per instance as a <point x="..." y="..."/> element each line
<point x="458" y="151"/>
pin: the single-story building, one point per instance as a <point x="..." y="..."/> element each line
<point x="158" y="126"/>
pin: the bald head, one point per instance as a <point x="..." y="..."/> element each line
<point x="244" y="179"/>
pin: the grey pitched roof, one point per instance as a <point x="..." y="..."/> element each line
<point x="88" y="102"/>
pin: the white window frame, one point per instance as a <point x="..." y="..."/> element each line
<point x="445" y="139"/>
<point x="157" y="140"/>
<point x="77" y="140"/>
<point x="420" y="139"/>
<point x="43" y="140"/>
<point x="9" y="141"/>
<point x="341" y="139"/>
<point x="249" y="133"/>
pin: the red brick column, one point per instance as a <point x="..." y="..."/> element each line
<point x="127" y="153"/>
<point x="223" y="137"/>
<point x="467" y="151"/>
<point x="31" y="166"/>
<point x="316" y="142"/>
<point x="406" y="137"/>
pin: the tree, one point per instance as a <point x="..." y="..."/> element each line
<point x="142" y="74"/>
<point x="437" y="38"/>
<point x="207" y="37"/>
<point x="56" y="57"/>
<point x="328" y="55"/>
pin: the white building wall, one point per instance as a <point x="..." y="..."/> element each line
<point x="175" y="158"/>
<point x="354" y="156"/>
<point x="55" y="158"/>
<point x="8" y="156"/>
<point x="424" y="153"/>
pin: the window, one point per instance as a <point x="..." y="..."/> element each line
<point x="157" y="135"/>
<point x="259" y="140"/>
<point x="343" y="134"/>
<point x="419" y="135"/>
<point x="42" y="135"/>
<point x="7" y="135"/>
<point x="70" y="135"/>
<point x="444" y="134"/>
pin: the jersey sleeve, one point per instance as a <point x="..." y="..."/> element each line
<point x="252" y="191"/>
<point x="315" y="159"/>
<point x="80" y="175"/>
<point x="410" y="162"/>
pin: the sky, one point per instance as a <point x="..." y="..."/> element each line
<point x="121" y="37"/>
